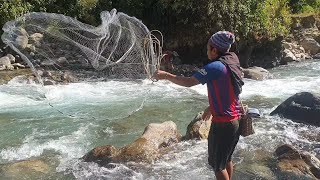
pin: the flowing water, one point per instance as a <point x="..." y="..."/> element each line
<point x="57" y="125"/>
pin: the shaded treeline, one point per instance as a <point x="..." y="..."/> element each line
<point x="186" y="24"/>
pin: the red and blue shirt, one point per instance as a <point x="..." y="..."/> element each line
<point x="224" y="102"/>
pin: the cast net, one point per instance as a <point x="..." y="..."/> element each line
<point x="121" y="47"/>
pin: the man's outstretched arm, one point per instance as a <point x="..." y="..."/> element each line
<point x="179" y="80"/>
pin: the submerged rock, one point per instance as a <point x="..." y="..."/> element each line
<point x="145" y="149"/>
<point x="296" y="164"/>
<point x="198" y="128"/>
<point x="28" y="169"/>
<point x="301" y="107"/>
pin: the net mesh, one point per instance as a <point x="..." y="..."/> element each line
<point x="121" y="47"/>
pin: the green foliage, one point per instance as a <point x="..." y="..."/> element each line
<point x="305" y="6"/>
<point x="179" y="20"/>
<point x="12" y="9"/>
<point x="274" y="17"/>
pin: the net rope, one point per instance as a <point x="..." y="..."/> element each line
<point x="121" y="47"/>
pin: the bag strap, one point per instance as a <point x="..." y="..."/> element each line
<point x="242" y="108"/>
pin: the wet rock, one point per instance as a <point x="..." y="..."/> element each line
<point x="293" y="163"/>
<point x="301" y="107"/>
<point x="317" y="56"/>
<point x="102" y="155"/>
<point x="25" y="169"/>
<point x="198" y="128"/>
<point x="146" y="148"/>
<point x="260" y="171"/>
<point x="48" y="82"/>
<point x="256" y="73"/>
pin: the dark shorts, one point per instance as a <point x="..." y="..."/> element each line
<point x="222" y="140"/>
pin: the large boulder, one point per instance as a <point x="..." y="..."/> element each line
<point x="301" y="107"/>
<point x="256" y="73"/>
<point x="21" y="42"/>
<point x="198" y="128"/>
<point x="310" y="45"/>
<point x="292" y="163"/>
<point x="147" y="148"/>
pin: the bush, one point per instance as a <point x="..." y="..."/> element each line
<point x="274" y="17"/>
<point x="305" y="6"/>
<point x="10" y="10"/>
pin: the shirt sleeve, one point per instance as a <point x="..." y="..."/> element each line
<point x="210" y="72"/>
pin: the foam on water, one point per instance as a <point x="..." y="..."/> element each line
<point x="20" y="94"/>
<point x="70" y="146"/>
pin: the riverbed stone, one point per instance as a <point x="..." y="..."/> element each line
<point x="302" y="107"/>
<point x="25" y="169"/>
<point x="147" y="148"/>
<point x="292" y="163"/>
<point x="198" y="128"/>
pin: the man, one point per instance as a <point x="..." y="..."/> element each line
<point x="223" y="99"/>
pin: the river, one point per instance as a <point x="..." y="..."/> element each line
<point x="59" y="124"/>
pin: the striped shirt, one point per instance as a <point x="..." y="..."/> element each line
<point x="224" y="102"/>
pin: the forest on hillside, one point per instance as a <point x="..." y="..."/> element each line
<point x="185" y="24"/>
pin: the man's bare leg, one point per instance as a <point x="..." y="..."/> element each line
<point x="222" y="175"/>
<point x="230" y="169"/>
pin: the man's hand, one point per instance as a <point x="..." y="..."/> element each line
<point x="160" y="75"/>
<point x="207" y="115"/>
<point x="179" y="80"/>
